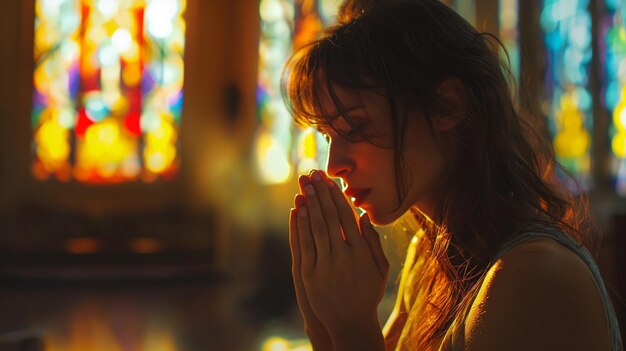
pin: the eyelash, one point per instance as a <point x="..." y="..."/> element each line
<point x="353" y="131"/>
<point x="348" y="134"/>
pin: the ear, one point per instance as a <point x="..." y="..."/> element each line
<point x="452" y="98"/>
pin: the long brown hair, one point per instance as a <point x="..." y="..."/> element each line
<point x="505" y="178"/>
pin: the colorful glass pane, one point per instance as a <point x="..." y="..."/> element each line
<point x="568" y="103"/>
<point x="613" y="41"/>
<point x="281" y="148"/>
<point x="466" y="8"/>
<point x="107" y="97"/>
<point x="509" y="34"/>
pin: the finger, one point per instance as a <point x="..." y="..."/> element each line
<point x="303" y="180"/>
<point x="347" y="215"/>
<point x="294" y="244"/>
<point x="303" y="302"/>
<point x="330" y="212"/>
<point x="298" y="201"/>
<point x="318" y="225"/>
<point x="305" y="239"/>
<point x="373" y="240"/>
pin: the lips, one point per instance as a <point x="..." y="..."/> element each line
<point x="359" y="195"/>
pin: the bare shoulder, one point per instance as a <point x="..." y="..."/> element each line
<point x="541" y="296"/>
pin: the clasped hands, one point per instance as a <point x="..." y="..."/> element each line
<point x="338" y="267"/>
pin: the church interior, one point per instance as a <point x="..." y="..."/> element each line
<point x="148" y="163"/>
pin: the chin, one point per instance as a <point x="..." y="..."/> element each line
<point x="380" y="219"/>
<point x="383" y="216"/>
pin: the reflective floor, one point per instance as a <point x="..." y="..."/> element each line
<point x="105" y="317"/>
<point x="141" y="305"/>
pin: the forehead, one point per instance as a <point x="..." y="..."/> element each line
<point x="353" y="102"/>
<point x="346" y="98"/>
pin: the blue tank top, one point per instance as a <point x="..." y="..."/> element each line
<point x="455" y="339"/>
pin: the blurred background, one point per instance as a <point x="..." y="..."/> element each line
<point x="148" y="165"/>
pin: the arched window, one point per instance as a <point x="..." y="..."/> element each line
<point x="107" y="97"/>
<point x="282" y="149"/>
<point x="508" y="20"/>
<point x="613" y="41"/>
<point x="568" y="101"/>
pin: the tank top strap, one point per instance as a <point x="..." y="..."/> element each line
<point x="454" y="341"/>
<point x="544" y="231"/>
<point x="587" y="257"/>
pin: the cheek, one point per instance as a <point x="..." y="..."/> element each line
<point x="384" y="205"/>
<point x="380" y="165"/>
<point x="426" y="171"/>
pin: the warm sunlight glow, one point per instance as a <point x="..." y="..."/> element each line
<point x="285" y="24"/>
<point x="277" y="343"/>
<point x="92" y="328"/>
<point x="83" y="245"/>
<point x="146" y="245"/>
<point x="273" y="166"/>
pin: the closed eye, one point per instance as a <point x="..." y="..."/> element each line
<point x="355" y="130"/>
<point x="356" y="133"/>
<point x="353" y="134"/>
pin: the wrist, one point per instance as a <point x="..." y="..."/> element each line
<point x="320" y="341"/>
<point x="366" y="336"/>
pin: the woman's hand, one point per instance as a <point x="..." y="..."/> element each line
<point x="342" y="264"/>
<point x="315" y="330"/>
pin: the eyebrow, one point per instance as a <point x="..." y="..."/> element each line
<point x="350" y="109"/>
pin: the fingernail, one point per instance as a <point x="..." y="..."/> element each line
<point x="309" y="190"/>
<point x="303" y="180"/>
<point x="316" y="176"/>
<point x="299" y="200"/>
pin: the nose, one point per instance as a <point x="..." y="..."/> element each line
<point x="340" y="162"/>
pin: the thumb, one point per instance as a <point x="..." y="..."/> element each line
<point x="373" y="241"/>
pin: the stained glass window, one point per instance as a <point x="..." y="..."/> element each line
<point x="283" y="149"/>
<point x="568" y="103"/>
<point x="613" y="39"/>
<point x="507" y="24"/>
<point x="509" y="34"/>
<point x="107" y="97"/>
<point x="466" y="8"/>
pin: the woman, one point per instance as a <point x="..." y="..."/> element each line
<point x="419" y="117"/>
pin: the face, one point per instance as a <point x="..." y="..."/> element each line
<point x="367" y="170"/>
